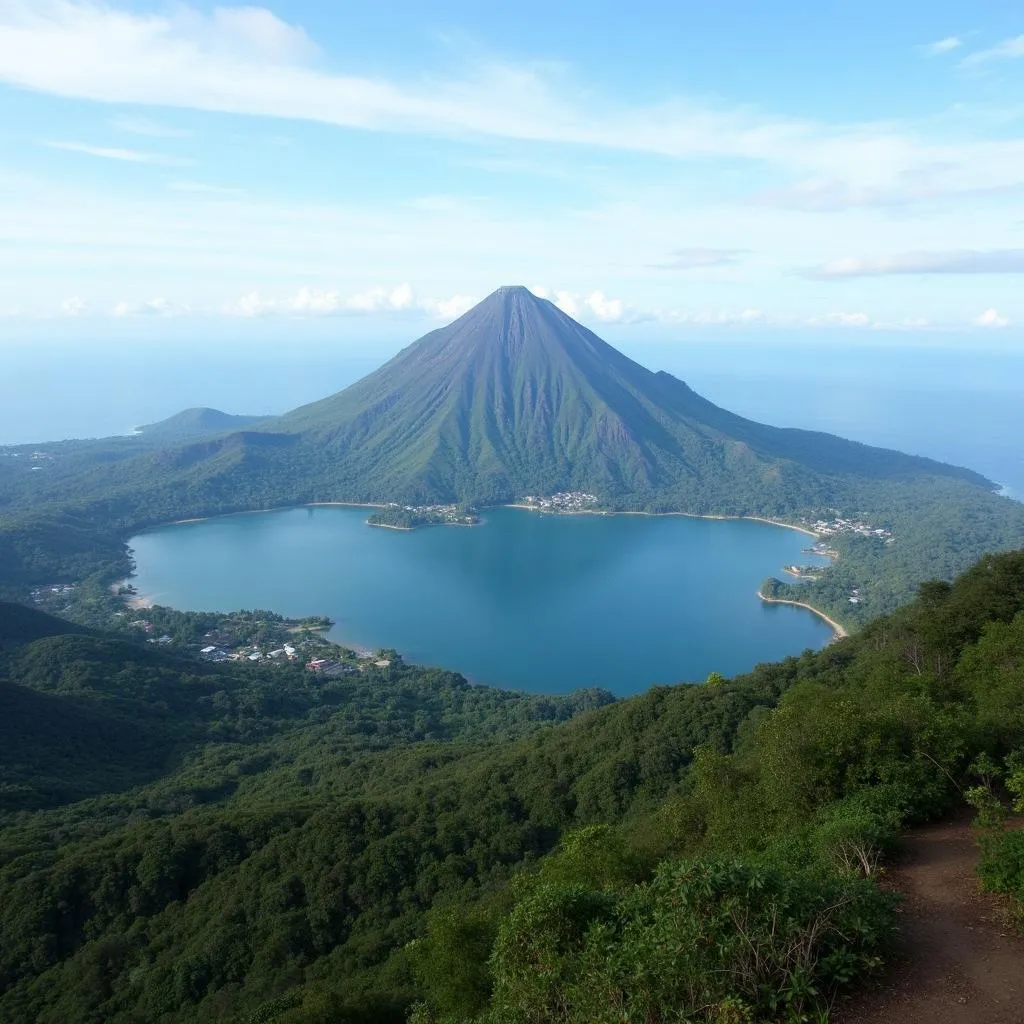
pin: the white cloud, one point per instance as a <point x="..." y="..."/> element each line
<point x="316" y="302"/>
<point x="841" y="320"/>
<point x="956" y="261"/>
<point x="378" y="300"/>
<point x="133" y="156"/>
<point x="991" y="318"/>
<point x="248" y="61"/>
<point x="719" y="317"/>
<point x="202" y="188"/>
<point x="137" y="125"/>
<point x="694" y="258"/>
<point x="955" y="178"/>
<point x="451" y="309"/>
<point x="592" y="306"/>
<point x="758" y="317"/>
<point x="152" y="307"/>
<point x="942" y="46"/>
<point x="1008" y="49"/>
<point x="247" y="32"/>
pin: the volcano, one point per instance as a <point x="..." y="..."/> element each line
<point x="515" y="397"/>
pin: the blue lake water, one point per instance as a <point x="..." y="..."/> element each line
<point x="538" y="602"/>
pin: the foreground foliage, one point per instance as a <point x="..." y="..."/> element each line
<point x="289" y="849"/>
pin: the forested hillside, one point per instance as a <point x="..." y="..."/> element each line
<point x="285" y="848"/>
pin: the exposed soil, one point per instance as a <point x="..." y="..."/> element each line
<point x="959" y="961"/>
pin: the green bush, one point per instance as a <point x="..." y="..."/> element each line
<point x="705" y="941"/>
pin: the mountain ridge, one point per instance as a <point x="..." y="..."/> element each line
<point x="197" y="421"/>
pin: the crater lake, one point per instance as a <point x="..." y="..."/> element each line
<point x="525" y="600"/>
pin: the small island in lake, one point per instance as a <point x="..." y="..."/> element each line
<point x="408" y="517"/>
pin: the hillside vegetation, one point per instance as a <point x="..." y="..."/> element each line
<point x="285" y="848"/>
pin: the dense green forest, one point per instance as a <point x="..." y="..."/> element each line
<point x="182" y="841"/>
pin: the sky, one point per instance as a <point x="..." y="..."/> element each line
<point x="737" y="166"/>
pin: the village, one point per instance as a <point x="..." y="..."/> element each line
<point x="253" y="637"/>
<point x="47" y="595"/>
<point x="805" y="572"/>
<point x="839" y="525"/>
<point x="309" y="648"/>
<point x="563" y="501"/>
<point x="342" y="661"/>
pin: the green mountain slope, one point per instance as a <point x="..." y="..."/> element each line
<point x="194" y="423"/>
<point x="515" y="397"/>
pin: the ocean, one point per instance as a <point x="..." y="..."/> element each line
<point x="956" y="400"/>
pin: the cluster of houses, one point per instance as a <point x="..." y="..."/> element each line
<point x="435" y="513"/>
<point x="839" y="525"/>
<point x="563" y="501"/>
<point x="805" y="572"/>
<point x="40" y="595"/>
<point x="217" y="652"/>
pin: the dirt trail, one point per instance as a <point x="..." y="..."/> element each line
<point x="958" y="962"/>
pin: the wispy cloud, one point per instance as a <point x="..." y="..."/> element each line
<point x="943" y="180"/>
<point x="318" y="302"/>
<point x="151" y="307"/>
<point x="956" y="261"/>
<point x="1008" y="49"/>
<point x="137" y="125"/>
<point x="593" y="307"/>
<point x="248" y="61"/>
<point x="991" y="318"/>
<point x="942" y="46"/>
<point x="203" y="188"/>
<point x="695" y="258"/>
<point x="133" y="156"/>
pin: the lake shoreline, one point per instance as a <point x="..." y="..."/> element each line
<point x="840" y="631"/>
<point x="685" y="515"/>
<point x="139" y="602"/>
<point x="729" y="632"/>
<point x="528" y="508"/>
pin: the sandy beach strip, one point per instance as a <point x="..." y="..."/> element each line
<point x="840" y="631"/>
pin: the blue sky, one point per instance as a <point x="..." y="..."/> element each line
<point x="734" y="166"/>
